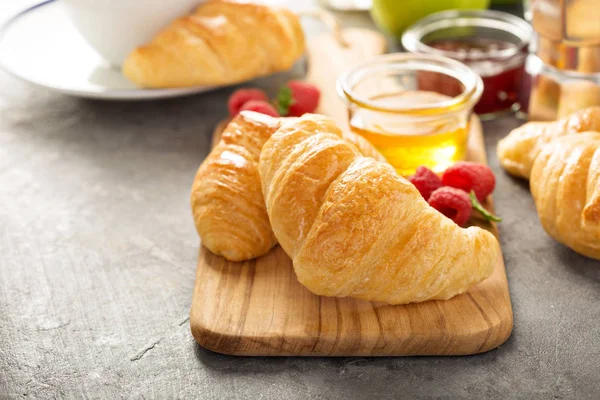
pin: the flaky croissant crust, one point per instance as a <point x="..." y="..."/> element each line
<point x="518" y="150"/>
<point x="565" y="184"/>
<point x="227" y="201"/>
<point x="353" y="227"/>
<point x="221" y="42"/>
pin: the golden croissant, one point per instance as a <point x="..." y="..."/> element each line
<point x="519" y="149"/>
<point x="565" y="184"/>
<point x="222" y="42"/>
<point x="227" y="202"/>
<point x="353" y="227"/>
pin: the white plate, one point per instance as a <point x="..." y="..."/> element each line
<point x="41" y="46"/>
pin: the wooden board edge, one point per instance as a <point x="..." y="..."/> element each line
<point x="229" y="344"/>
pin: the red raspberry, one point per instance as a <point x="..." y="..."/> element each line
<point x="453" y="203"/>
<point x="470" y="176"/>
<point x="426" y="181"/>
<point x="241" y="97"/>
<point x="305" y="96"/>
<point x="260" y="106"/>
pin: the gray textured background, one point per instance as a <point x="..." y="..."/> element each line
<point x="97" y="262"/>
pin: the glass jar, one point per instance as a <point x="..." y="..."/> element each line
<point x="415" y="109"/>
<point x="557" y="93"/>
<point x="565" y="66"/>
<point x="493" y="43"/>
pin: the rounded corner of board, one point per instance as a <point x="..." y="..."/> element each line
<point x="499" y="333"/>
<point x="209" y="339"/>
<point x="505" y="329"/>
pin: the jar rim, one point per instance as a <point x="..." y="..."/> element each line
<point x="498" y="20"/>
<point x="472" y="83"/>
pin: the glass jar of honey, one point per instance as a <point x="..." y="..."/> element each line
<point x="415" y="109"/>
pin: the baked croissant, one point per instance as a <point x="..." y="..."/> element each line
<point x="353" y="227"/>
<point x="222" y="42"/>
<point x="227" y="202"/>
<point x="565" y="184"/>
<point x="518" y="150"/>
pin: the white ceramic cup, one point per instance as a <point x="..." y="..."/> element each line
<point x="115" y="27"/>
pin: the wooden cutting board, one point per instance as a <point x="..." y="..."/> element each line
<point x="259" y="308"/>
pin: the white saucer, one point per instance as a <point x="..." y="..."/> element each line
<point x="41" y="46"/>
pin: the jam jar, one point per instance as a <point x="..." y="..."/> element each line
<point x="492" y="43"/>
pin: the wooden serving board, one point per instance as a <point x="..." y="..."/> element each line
<point x="259" y="308"/>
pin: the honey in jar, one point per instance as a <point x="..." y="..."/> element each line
<point x="408" y="143"/>
<point x="413" y="108"/>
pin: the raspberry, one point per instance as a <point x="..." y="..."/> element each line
<point x="470" y="176"/>
<point x="241" y="97"/>
<point x="426" y="181"/>
<point x="305" y="98"/>
<point x="260" y="106"/>
<point x="453" y="203"/>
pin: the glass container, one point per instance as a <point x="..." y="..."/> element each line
<point x="392" y="103"/>
<point x="493" y="43"/>
<point x="557" y="93"/>
<point x="565" y="70"/>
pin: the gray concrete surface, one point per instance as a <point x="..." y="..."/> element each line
<point x="97" y="260"/>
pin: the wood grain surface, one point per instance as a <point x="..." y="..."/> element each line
<point x="259" y="308"/>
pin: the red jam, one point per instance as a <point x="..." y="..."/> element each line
<point x="501" y="74"/>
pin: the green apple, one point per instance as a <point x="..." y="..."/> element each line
<point x="394" y="16"/>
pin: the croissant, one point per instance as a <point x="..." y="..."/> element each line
<point x="518" y="150"/>
<point x="227" y="201"/>
<point x="222" y="42"/>
<point x="353" y="227"/>
<point x="565" y="184"/>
